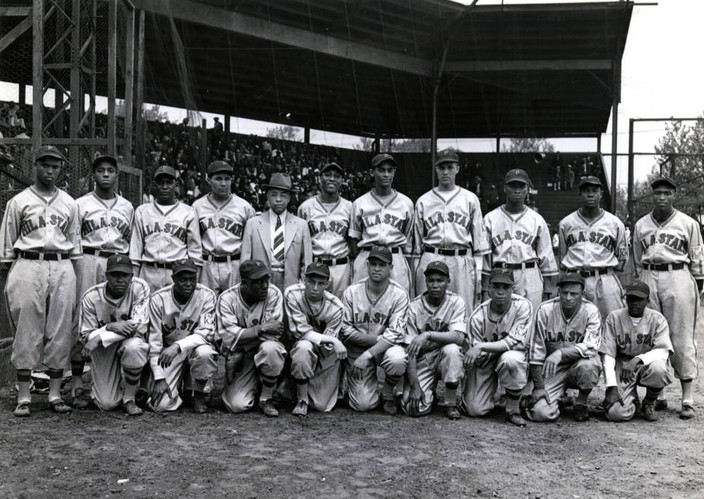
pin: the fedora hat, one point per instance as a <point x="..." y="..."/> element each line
<point x="280" y="181"/>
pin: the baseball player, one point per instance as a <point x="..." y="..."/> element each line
<point x="314" y="320"/>
<point x="520" y="241"/>
<point x="373" y="331"/>
<point x="251" y="324"/>
<point x="328" y="216"/>
<point x="114" y="318"/>
<point x="499" y="330"/>
<point x="222" y="216"/>
<point x="164" y="231"/>
<point x="448" y="228"/>
<point x="181" y="336"/>
<point x="669" y="257"/>
<point x="635" y="351"/>
<point x="40" y="236"/>
<point x="435" y="332"/>
<point x="563" y="351"/>
<point x="593" y="242"/>
<point x="383" y="217"/>
<point x="106" y="226"/>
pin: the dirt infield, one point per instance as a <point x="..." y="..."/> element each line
<point x="345" y="454"/>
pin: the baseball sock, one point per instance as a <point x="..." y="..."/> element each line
<point x="651" y="396"/>
<point x="512" y="397"/>
<point x="132" y="377"/>
<point x="387" y="393"/>
<point x="24" y="379"/>
<point x="686" y="390"/>
<point x="451" y="393"/>
<point x="302" y="389"/>
<point x="77" y="375"/>
<point x="583" y="396"/>
<point x="268" y="385"/>
<point x="55" y="376"/>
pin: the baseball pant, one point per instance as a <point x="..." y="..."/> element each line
<point x="156" y="277"/>
<point x="277" y="278"/>
<point x="582" y="374"/>
<point x="510" y="369"/>
<point x="202" y="363"/>
<point x="462" y="276"/>
<point x="268" y="359"/>
<point x="363" y="393"/>
<point x="321" y="367"/>
<point x="106" y="364"/>
<point x="220" y="276"/>
<point x="674" y="294"/>
<point x="604" y="291"/>
<point x="656" y="375"/>
<point x="340" y="279"/>
<point x="529" y="284"/>
<point x="40" y="297"/>
<point x="400" y="272"/>
<point x="444" y="363"/>
<point x="90" y="270"/>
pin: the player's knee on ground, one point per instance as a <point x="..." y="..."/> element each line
<point x="584" y="373"/>
<point x="270" y="358"/>
<point x="451" y="363"/>
<point x="542" y="412"/>
<point x="204" y="362"/>
<point x="135" y="352"/>
<point x="394" y="362"/>
<point x="657" y="375"/>
<point x="362" y="400"/>
<point x="476" y="407"/>
<point x="512" y="369"/>
<point x="303" y="359"/>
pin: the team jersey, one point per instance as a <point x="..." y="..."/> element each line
<point x="98" y="309"/>
<point x="450" y="315"/>
<point x="329" y="225"/>
<point x="594" y="243"/>
<point x="519" y="238"/>
<point x="106" y="224"/>
<point x="622" y="339"/>
<point x="190" y="325"/>
<point x="452" y="223"/>
<point x="45" y="225"/>
<point x="234" y="315"/>
<point x="221" y="227"/>
<point x="307" y="320"/>
<point x="554" y="332"/>
<point x="384" y="316"/>
<point x="513" y="327"/>
<point x="168" y="236"/>
<point x="677" y="240"/>
<point x="376" y="223"/>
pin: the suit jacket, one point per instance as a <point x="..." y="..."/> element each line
<point x="298" y="251"/>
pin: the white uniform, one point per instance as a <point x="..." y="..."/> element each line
<point x="449" y="228"/>
<point x="308" y="322"/>
<point x="221" y="229"/>
<point x="192" y="326"/>
<point x="389" y="224"/>
<point x="329" y="224"/>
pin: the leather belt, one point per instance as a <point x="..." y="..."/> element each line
<point x="590" y="272"/>
<point x="331" y="262"/>
<point x="445" y="252"/>
<point x="159" y="265"/>
<point x="32" y="255"/>
<point x="397" y="249"/>
<point x="97" y="252"/>
<point x="663" y="267"/>
<point x="220" y="258"/>
<point x="515" y="266"/>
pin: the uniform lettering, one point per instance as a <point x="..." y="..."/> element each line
<point x="169" y="228"/>
<point x="332" y="226"/>
<point x="452" y="217"/>
<point x="387" y="219"/>
<point x="375" y="318"/>
<point x="519" y="235"/>
<point x="30" y="225"/>
<point x="91" y="225"/>
<point x="672" y="241"/>
<point x="563" y="336"/>
<point x="223" y="223"/>
<point x="604" y="240"/>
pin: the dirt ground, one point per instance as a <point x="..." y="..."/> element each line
<point x="345" y="454"/>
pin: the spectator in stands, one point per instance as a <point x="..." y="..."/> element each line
<point x="569" y="178"/>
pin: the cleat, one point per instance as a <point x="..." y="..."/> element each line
<point x="648" y="412"/>
<point x="22" y="410"/>
<point x="131" y="408"/>
<point x="660" y="404"/>
<point x="390" y="407"/>
<point x="452" y="413"/>
<point x="301" y="409"/>
<point x="80" y="399"/>
<point x="687" y="411"/>
<point x="59" y="406"/>
<point x="199" y="405"/>
<point x="515" y="419"/>
<point x="267" y="407"/>
<point x="581" y="413"/>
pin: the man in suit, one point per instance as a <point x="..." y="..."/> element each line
<point x="278" y="238"/>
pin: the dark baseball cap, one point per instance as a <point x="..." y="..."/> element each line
<point x="383" y="158"/>
<point x="49" y="152"/>
<point x="219" y="166"/>
<point x="663" y="181"/>
<point x="254" y="269"/>
<point x="185" y="265"/>
<point x="118" y="263"/>
<point x="590" y="180"/>
<point x="380" y="253"/>
<point x="165" y="170"/>
<point x="446" y="157"/>
<point x="517" y="175"/>
<point x="437" y="267"/>
<point x="570" y="278"/>
<point x="319" y="269"/>
<point x="104" y="159"/>
<point x="639" y="289"/>
<point x="504" y="276"/>
<point x="332" y="166"/>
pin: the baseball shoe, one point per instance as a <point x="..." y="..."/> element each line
<point x="660" y="404"/>
<point x="452" y="413"/>
<point x="515" y="419"/>
<point x="687" y="411"/>
<point x="565" y="402"/>
<point x="22" y="410"/>
<point x="80" y="399"/>
<point x="390" y="407"/>
<point x="301" y="409"/>
<point x="59" y="406"/>
<point x="141" y="397"/>
<point x="199" y="405"/>
<point x="131" y="408"/>
<point x="267" y="407"/>
<point x="648" y="412"/>
<point x="581" y="413"/>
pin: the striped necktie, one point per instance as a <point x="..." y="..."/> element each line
<point x="279" y="240"/>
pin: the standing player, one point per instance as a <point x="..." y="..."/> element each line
<point x="499" y="330"/>
<point x="222" y="216"/>
<point x="181" y="336"/>
<point x="250" y="324"/>
<point x="40" y="236"/>
<point x="328" y="216"/>
<point x="520" y="241"/>
<point x="593" y="243"/>
<point x="373" y="331"/>
<point x="106" y="225"/>
<point x="383" y="217"/>
<point x="114" y="322"/>
<point x="164" y="231"/>
<point x="314" y="321"/>
<point x="669" y="257"/>
<point x="436" y="330"/>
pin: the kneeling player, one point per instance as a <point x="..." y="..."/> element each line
<point x="181" y="335"/>
<point x="636" y="348"/>
<point x="314" y="320"/>
<point x="563" y="351"/>
<point x="114" y="321"/>
<point x="436" y="329"/>
<point x="498" y="331"/>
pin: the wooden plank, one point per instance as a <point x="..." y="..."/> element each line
<point x="77" y="103"/>
<point x="139" y="94"/>
<point x="15" y="11"/>
<point x="37" y="72"/>
<point x="112" y="76"/>
<point x="129" y="84"/>
<point x="15" y="33"/>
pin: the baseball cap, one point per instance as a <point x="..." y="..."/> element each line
<point x="570" y="278"/>
<point x="254" y="269"/>
<point x="446" y="157"/>
<point x="332" y="166"/>
<point x="663" y="181"/>
<point x="380" y="253"/>
<point x="219" y="166"/>
<point x="383" y="158"/>
<point x="589" y="180"/>
<point x="165" y="170"/>
<point x="319" y="269"/>
<point x="104" y="159"/>
<point x="517" y="175"/>
<point x="504" y="276"/>
<point x="439" y="267"/>
<point x="185" y="265"/>
<point x="118" y="263"/>
<point x="48" y="152"/>
<point x="639" y="289"/>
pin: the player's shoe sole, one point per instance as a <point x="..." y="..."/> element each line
<point x="301" y="409"/>
<point x="59" y="406"/>
<point x="22" y="410"/>
<point x="687" y="412"/>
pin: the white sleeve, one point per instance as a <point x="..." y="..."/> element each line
<point x="610" y="370"/>
<point x="653" y="355"/>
